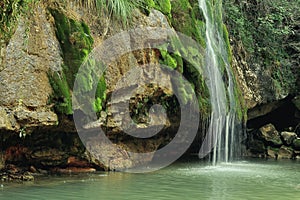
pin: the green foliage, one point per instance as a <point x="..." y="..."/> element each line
<point x="265" y="29"/>
<point x="62" y="96"/>
<point x="184" y="19"/>
<point x="118" y="9"/>
<point x="168" y="60"/>
<point x="283" y="78"/>
<point x="190" y="68"/>
<point x="100" y="95"/>
<point x="164" y="6"/>
<point x="239" y="26"/>
<point x="76" y="43"/>
<point x="10" y="10"/>
<point x="227" y="43"/>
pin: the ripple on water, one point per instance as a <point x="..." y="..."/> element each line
<point x="232" y="181"/>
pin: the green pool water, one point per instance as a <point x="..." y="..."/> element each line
<point x="254" y="179"/>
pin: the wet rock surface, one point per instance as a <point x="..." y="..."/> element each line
<point x="288" y="137"/>
<point x="267" y="142"/>
<point x="13" y="173"/>
<point x="37" y="138"/>
<point x="24" y="86"/>
<point x="270" y="135"/>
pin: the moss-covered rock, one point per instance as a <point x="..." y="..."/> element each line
<point x="186" y="19"/>
<point x="163" y="6"/>
<point x="62" y="95"/>
<point x="76" y="43"/>
<point x="270" y="135"/>
<point x="10" y="10"/>
<point x="296" y="144"/>
<point x="257" y="147"/>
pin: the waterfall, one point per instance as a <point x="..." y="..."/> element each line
<point x="221" y="136"/>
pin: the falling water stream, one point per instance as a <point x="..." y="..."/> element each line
<point x="221" y="136"/>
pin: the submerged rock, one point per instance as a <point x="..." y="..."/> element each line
<point x="74" y="170"/>
<point x="270" y="135"/>
<point x="13" y="173"/>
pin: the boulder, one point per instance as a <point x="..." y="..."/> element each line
<point x="257" y="147"/>
<point x="297" y="131"/>
<point x="296" y="144"/>
<point x="2" y="161"/>
<point x="285" y="153"/>
<point x="270" y="135"/>
<point x="288" y="137"/>
<point x="273" y="152"/>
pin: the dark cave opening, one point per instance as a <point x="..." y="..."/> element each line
<point x="284" y="117"/>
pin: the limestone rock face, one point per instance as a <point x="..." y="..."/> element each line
<point x="255" y="82"/>
<point x="7" y="121"/>
<point x="27" y="115"/>
<point x="270" y="135"/>
<point x="128" y="79"/>
<point x="24" y="84"/>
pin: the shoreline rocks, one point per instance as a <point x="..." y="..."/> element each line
<point x="267" y="142"/>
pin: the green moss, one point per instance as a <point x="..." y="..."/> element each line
<point x="87" y="85"/>
<point x="296" y="144"/>
<point x="168" y="60"/>
<point x="100" y="94"/>
<point x="76" y="42"/>
<point x="10" y="11"/>
<point x="164" y="6"/>
<point x="62" y="96"/>
<point x="149" y="4"/>
<point x="185" y="21"/>
<point x="276" y="150"/>
<point x="227" y="43"/>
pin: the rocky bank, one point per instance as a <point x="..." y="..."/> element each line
<point x="51" y="39"/>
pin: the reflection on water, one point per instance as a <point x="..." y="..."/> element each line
<point x="194" y="180"/>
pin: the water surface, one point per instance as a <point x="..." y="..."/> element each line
<point x="255" y="179"/>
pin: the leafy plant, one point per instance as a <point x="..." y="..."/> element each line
<point x="119" y="9"/>
<point x="10" y="10"/>
<point x="266" y="29"/>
